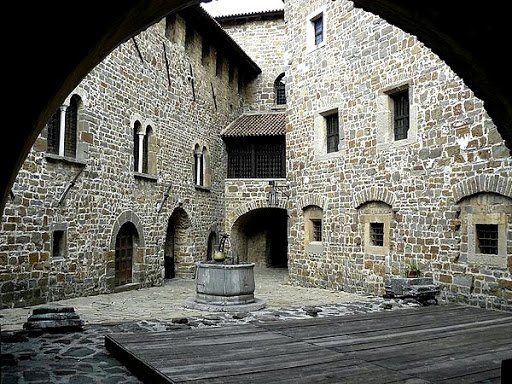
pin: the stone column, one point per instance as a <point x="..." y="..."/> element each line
<point x="62" y="129"/>
<point x="141" y="151"/>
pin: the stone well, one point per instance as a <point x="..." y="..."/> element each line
<point x="225" y="287"/>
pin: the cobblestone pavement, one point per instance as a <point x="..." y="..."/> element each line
<point x="80" y="357"/>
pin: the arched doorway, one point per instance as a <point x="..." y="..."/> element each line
<point x="261" y="237"/>
<point x="212" y="244"/>
<point x="177" y="255"/>
<point x="126" y="240"/>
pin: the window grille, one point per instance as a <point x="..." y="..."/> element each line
<point x="377" y="234"/>
<point x="332" y="132"/>
<point x="316" y="226"/>
<point x="71" y="127"/>
<point x="318" y="26"/>
<point x="260" y="159"/>
<point x="54" y="133"/>
<point x="487" y="238"/>
<point x="400" y="114"/>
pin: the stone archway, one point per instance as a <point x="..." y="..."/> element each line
<point x="261" y="236"/>
<point x="178" y="259"/>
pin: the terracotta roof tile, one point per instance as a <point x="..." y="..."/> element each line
<point x="262" y="124"/>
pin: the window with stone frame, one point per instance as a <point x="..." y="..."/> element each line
<point x="62" y="129"/>
<point x="143" y="162"/>
<point x="396" y="117"/>
<point x="280" y="90"/>
<point x="137" y="132"/>
<point x="316" y="29"/>
<point x="145" y="149"/>
<point x="375" y="220"/>
<point x="400" y="101"/>
<point x="485" y="220"/>
<point x="332" y="132"/>
<point x="313" y="229"/>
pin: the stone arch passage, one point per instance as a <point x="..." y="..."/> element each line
<point x="177" y="258"/>
<point x="261" y="236"/>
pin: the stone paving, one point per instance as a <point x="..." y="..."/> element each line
<point x="80" y="357"/>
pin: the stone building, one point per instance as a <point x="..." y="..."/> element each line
<point x="318" y="136"/>
<point x="125" y="185"/>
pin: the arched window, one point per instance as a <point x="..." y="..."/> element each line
<point x="54" y="133"/>
<point x="145" y="149"/>
<point x="280" y="90"/>
<point x="204" y="166"/>
<point x="71" y="127"/>
<point x="63" y="128"/>
<point x="137" y="165"/>
<point x="198" y="165"/>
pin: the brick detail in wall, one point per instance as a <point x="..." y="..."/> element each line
<point x="482" y="183"/>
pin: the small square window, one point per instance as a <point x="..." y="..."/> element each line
<point x="487" y="239"/>
<point x="316" y="226"/>
<point x="59" y="243"/>
<point x="377" y="234"/>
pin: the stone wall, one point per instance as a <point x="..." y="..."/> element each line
<point x="131" y="84"/>
<point x="263" y="39"/>
<point x="452" y="140"/>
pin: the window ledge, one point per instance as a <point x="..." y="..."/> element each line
<point x="202" y="188"/>
<point x="64" y="159"/>
<point x="278" y="107"/>
<point x="145" y="176"/>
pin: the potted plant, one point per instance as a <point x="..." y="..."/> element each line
<point x="412" y="270"/>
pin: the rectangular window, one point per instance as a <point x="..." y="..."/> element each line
<point x="377" y="234"/>
<point x="318" y="28"/>
<point x="487" y="239"/>
<point x="316" y="227"/>
<point x="400" y="114"/>
<point x="59" y="243"/>
<point x="332" y="132"/>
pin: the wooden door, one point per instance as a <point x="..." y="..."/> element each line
<point x="124" y="256"/>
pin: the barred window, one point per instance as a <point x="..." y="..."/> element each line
<point x="316" y="227"/>
<point x="487" y="238"/>
<point x="332" y="132"/>
<point x="258" y="158"/>
<point x="71" y="127"/>
<point x="400" y="114"/>
<point x="280" y="90"/>
<point x="318" y="26"/>
<point x="377" y="234"/>
<point x="54" y="133"/>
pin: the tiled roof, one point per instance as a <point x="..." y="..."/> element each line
<point x="261" y="124"/>
<point x="226" y="8"/>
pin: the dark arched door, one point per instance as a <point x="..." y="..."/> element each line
<point x="170" y="240"/>
<point x="124" y="254"/>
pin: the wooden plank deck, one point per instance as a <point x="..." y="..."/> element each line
<point x="437" y="344"/>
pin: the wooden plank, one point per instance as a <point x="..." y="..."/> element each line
<point x="433" y="343"/>
<point x="336" y="341"/>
